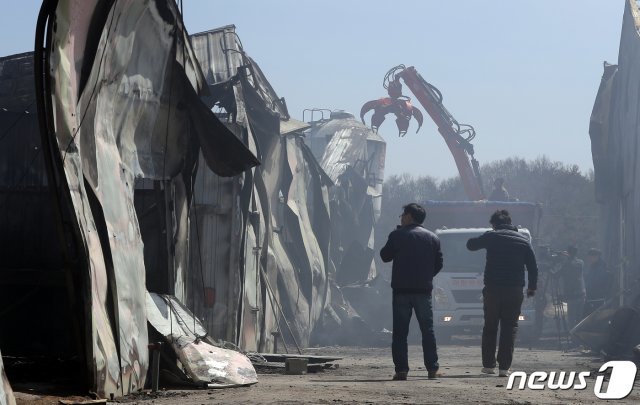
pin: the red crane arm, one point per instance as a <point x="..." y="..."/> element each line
<point x="460" y="147"/>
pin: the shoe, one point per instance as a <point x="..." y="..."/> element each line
<point x="433" y="374"/>
<point x="504" y="373"/>
<point x="400" y="376"/>
<point x="487" y="370"/>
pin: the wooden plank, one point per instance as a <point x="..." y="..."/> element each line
<point x="280" y="358"/>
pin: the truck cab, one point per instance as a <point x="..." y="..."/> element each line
<point x="457" y="289"/>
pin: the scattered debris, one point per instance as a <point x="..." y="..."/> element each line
<point x="203" y="363"/>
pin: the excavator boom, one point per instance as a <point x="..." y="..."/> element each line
<point x="457" y="136"/>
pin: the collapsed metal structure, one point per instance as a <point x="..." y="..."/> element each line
<point x="125" y="181"/>
<point x="115" y="107"/>
<point x="261" y="239"/>
<point x="353" y="156"/>
<point x="614" y="130"/>
<point x="275" y="266"/>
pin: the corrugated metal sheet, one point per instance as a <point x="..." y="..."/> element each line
<point x="292" y="125"/>
<point x="124" y="110"/>
<point x="214" y="281"/>
<point x="614" y="131"/>
<point x="203" y="363"/>
<point x="353" y="156"/>
<point x="281" y="208"/>
<point x="307" y="200"/>
<point x="250" y="253"/>
<point x="220" y="215"/>
<point x="16" y="82"/>
<point x="259" y="262"/>
<point x="221" y="55"/>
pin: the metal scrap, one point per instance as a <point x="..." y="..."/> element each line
<point x="125" y="110"/>
<point x="204" y="363"/>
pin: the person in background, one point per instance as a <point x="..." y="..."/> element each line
<point x="573" y="288"/>
<point x="598" y="281"/>
<point x="499" y="193"/>
<point x="417" y="258"/>
<point x="508" y="253"/>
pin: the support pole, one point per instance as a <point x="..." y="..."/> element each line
<point x="155" y="349"/>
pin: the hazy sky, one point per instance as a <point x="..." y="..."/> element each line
<point x="524" y="74"/>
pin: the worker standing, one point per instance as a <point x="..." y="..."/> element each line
<point x="598" y="281"/>
<point x="573" y="287"/>
<point x="508" y="252"/>
<point x="417" y="258"/>
<point x="499" y="193"/>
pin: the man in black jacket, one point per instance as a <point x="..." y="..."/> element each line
<point x="508" y="252"/>
<point x="417" y="257"/>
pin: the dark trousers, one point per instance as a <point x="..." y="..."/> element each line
<point x="403" y="304"/>
<point x="501" y="308"/>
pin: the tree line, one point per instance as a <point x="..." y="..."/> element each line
<point x="570" y="212"/>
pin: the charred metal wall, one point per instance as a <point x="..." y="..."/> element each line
<point x="22" y="186"/>
<point x="34" y="284"/>
<point x="614" y="131"/>
<point x="155" y="191"/>
<point x="221" y="206"/>
<point x="124" y="105"/>
<point x="263" y="237"/>
<point x="353" y="157"/>
<point x="26" y="217"/>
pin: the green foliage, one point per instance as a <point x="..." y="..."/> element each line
<point x="570" y="213"/>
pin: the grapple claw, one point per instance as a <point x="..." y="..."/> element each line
<point x="368" y="106"/>
<point x="417" y="114"/>
<point x="403" y="125"/>
<point x="397" y="104"/>
<point x="376" y="120"/>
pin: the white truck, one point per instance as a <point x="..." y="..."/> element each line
<point x="457" y="292"/>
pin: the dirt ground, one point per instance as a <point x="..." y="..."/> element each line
<point x="364" y="376"/>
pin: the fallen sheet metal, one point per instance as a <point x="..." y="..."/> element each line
<point x="594" y="330"/>
<point x="612" y="329"/>
<point x="204" y="363"/>
<point x="6" y="394"/>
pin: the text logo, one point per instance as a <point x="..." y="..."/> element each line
<point x="623" y="374"/>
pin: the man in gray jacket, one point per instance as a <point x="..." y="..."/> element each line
<point x="508" y="252"/>
<point x="417" y="257"/>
